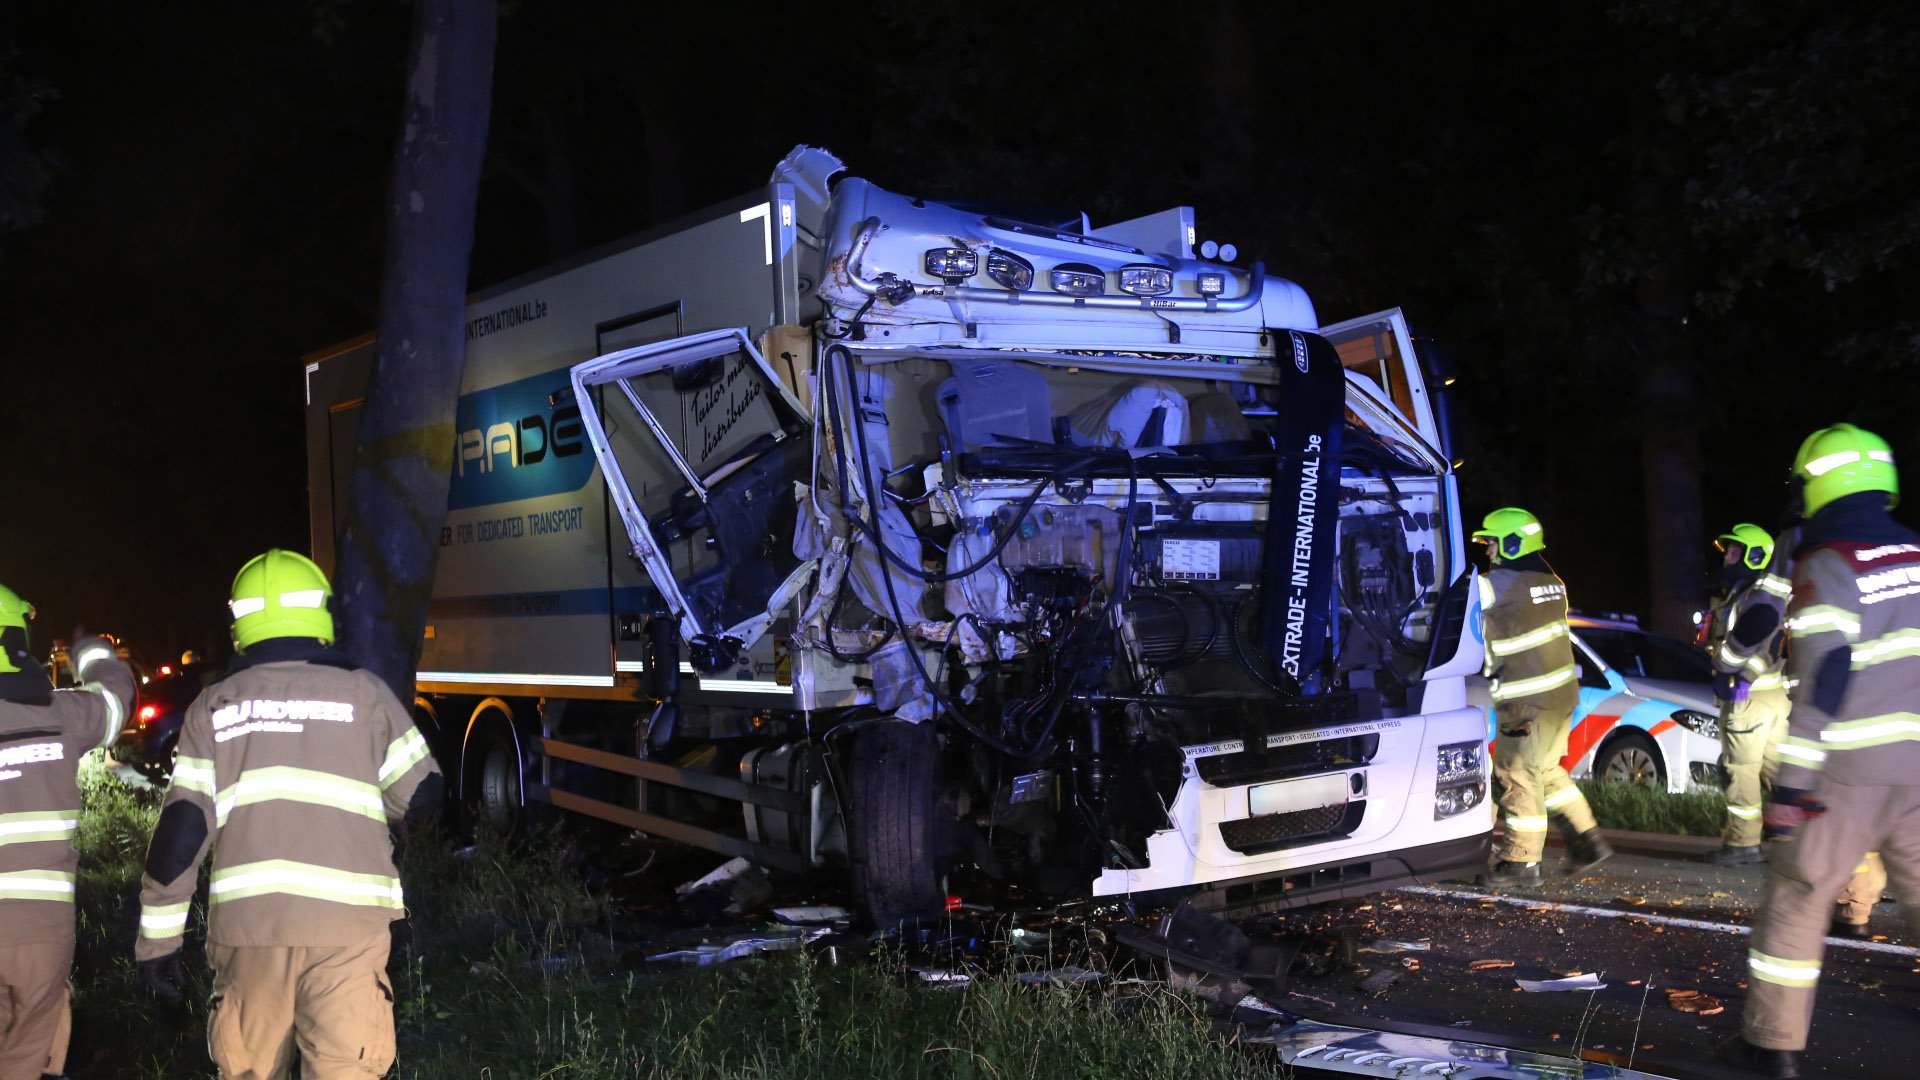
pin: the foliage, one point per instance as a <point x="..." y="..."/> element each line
<point x="510" y="968"/>
<point x="1698" y="811"/>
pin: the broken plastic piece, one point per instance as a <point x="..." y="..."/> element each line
<point x="1489" y="965"/>
<point x="709" y="953"/>
<point x="812" y="913"/>
<point x="1377" y="983"/>
<point x="1388" y="945"/>
<point x="1587" y="981"/>
<point x="1071" y="973"/>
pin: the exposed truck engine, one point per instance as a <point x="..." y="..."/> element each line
<point x="987" y="549"/>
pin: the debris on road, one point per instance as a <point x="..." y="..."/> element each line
<point x="1071" y="973"/>
<point x="778" y="939"/>
<point x="735" y="887"/>
<point x="1586" y="981"/>
<point x="1693" y="1001"/>
<point x="1388" y="945"/>
<point x="1489" y="965"/>
<point x="1634" y="900"/>
<point x="813" y="913"/>
<point x="1377" y="983"/>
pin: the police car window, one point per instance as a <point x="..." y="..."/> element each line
<point x="1615" y="648"/>
<point x="1665" y="658"/>
<point x="1591" y="674"/>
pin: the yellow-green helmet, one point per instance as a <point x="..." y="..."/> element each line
<point x="14" y="613"/>
<point x="1513" y="532"/>
<point x="1844" y="460"/>
<point x="280" y="594"/>
<point x="1757" y="541"/>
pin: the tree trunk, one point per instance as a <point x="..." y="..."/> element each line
<point x="1670" y="467"/>
<point x="398" y="495"/>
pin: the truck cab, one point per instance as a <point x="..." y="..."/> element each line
<point x="1047" y="553"/>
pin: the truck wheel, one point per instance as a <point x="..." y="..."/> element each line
<point x="1631" y="758"/>
<point x="493" y="792"/>
<point x="895" y="831"/>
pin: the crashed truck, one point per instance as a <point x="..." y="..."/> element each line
<point x="861" y="534"/>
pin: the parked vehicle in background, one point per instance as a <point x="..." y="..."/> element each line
<point x="148" y="740"/>
<point x="1654" y="665"/>
<point x="1627" y="729"/>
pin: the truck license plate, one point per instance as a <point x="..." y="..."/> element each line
<point x="1306" y="793"/>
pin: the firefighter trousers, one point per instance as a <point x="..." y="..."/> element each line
<point x="1750" y="735"/>
<point x="1857" y="899"/>
<point x="1804" y="876"/>
<point x="34" y="1017"/>
<point x="1527" y="750"/>
<point x="330" y="1004"/>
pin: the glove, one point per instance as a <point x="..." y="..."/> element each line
<point x="1730" y="688"/>
<point x="163" y="976"/>
<point x="1790" y="809"/>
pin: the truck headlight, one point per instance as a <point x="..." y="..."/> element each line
<point x="1078" y="279"/>
<point x="1210" y="283"/>
<point x="1698" y="722"/>
<point x="1460" y="778"/>
<point x="952" y="265"/>
<point x="1010" y="270"/>
<point x="1146" y="280"/>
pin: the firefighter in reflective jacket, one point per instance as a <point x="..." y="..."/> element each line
<point x="290" y="769"/>
<point x="43" y="735"/>
<point x="1747" y="643"/>
<point x="1534" y="686"/>
<point x="1849" y="779"/>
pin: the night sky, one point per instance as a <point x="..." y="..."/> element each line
<point x="1554" y="193"/>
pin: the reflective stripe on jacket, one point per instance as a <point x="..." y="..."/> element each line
<point x="1757" y="652"/>
<point x="1529" y="655"/>
<point x="294" y="771"/>
<point x="41" y="746"/>
<point x="1854" y="665"/>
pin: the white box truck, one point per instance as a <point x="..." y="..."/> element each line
<point x="859" y="533"/>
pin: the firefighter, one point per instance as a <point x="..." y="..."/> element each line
<point x="44" y="733"/>
<point x="1747" y="641"/>
<point x="291" y="770"/>
<point x="1849" y="780"/>
<point x="1533" y="683"/>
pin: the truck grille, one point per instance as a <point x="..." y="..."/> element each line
<point x="1271" y="832"/>
<point x="1281" y="762"/>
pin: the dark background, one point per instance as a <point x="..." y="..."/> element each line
<point x="1560" y="196"/>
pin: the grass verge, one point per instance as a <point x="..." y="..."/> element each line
<point x="511" y="969"/>
<point x="1698" y="811"/>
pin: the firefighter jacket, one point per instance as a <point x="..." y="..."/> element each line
<point x="290" y="770"/>
<point x="1854" y="660"/>
<point x="1749" y="638"/>
<point x="43" y="735"/>
<point x="1529" y="657"/>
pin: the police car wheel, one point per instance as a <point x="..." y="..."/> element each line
<point x="1631" y="758"/>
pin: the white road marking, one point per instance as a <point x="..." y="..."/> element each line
<point x="1662" y="920"/>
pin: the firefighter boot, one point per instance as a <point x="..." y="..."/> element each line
<point x="1511" y="873"/>
<point x="1778" y="1064"/>
<point x="1851" y="931"/>
<point x="1585" y="850"/>
<point x="1738" y="856"/>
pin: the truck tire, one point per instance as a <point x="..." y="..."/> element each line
<point x="493" y="790"/>
<point x="1631" y="758"/>
<point x="895" y="830"/>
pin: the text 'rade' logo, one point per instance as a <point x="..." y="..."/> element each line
<point x="518" y="441"/>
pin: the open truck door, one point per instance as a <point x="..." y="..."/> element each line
<point x="702" y="446"/>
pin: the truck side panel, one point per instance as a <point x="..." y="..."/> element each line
<point x="533" y="590"/>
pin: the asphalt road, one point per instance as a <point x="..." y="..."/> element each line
<point x="1654" y="926"/>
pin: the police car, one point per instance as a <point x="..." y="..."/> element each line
<point x="1646" y="713"/>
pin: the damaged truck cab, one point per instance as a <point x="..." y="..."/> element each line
<point x="920" y="540"/>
